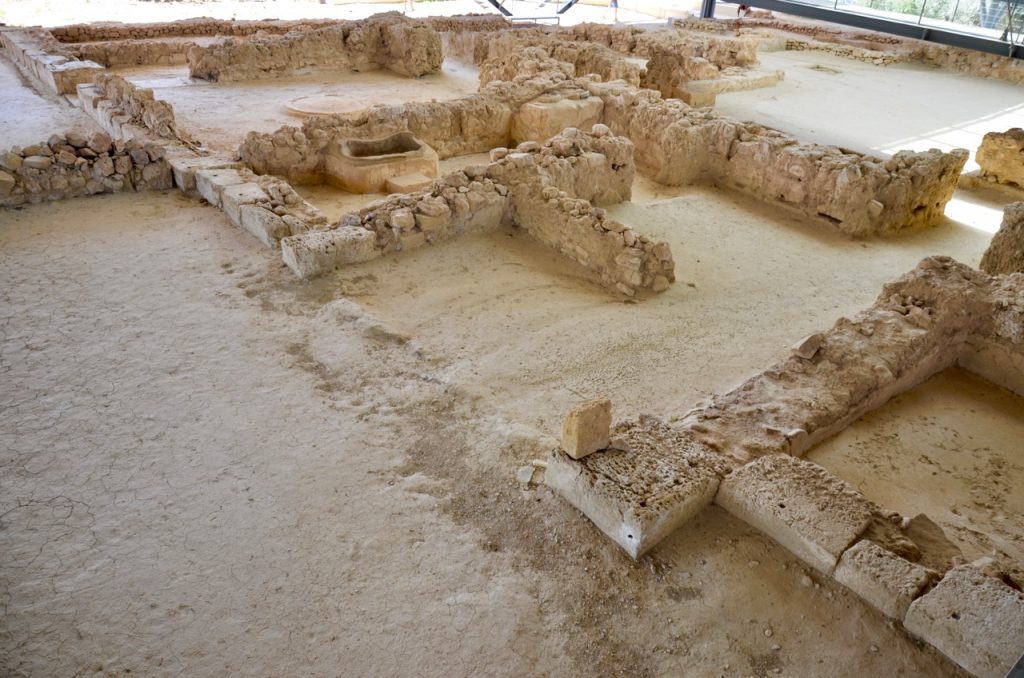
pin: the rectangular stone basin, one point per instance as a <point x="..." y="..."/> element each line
<point x="365" y="165"/>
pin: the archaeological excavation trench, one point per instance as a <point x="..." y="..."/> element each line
<point x="452" y="344"/>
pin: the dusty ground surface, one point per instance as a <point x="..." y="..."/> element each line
<point x="885" y="108"/>
<point x="950" y="448"/>
<point x="28" y="118"/>
<point x="220" y="114"/>
<point x="209" y="468"/>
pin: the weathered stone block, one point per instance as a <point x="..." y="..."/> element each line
<point x="587" y="428"/>
<point x="262" y="223"/>
<point x="799" y="504"/>
<point x="234" y="197"/>
<point x="317" y="252"/>
<point x="883" y="579"/>
<point x="975" y="620"/>
<point x="1001" y="156"/>
<point x="639" y="494"/>
<point x="210" y="183"/>
<point x="407" y="183"/>
<point x="1005" y="254"/>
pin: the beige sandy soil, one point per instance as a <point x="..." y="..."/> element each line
<point x="220" y="114"/>
<point x="951" y="448"/>
<point x="209" y="469"/>
<point x="877" y="109"/>
<point x="28" y="118"/>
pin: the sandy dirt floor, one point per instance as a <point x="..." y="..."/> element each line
<point x="884" y="108"/>
<point x="27" y="118"/>
<point x="209" y="468"/>
<point x="220" y="114"/>
<point x="951" y="448"/>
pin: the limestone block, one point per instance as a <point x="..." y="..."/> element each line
<point x="639" y="494"/>
<point x="883" y="579"/>
<point x="407" y="183"/>
<point x="316" y="252"/>
<point x="546" y="116"/>
<point x="1001" y="156"/>
<point x="587" y="428"/>
<point x="234" y="197"/>
<point x="185" y="164"/>
<point x="262" y="223"/>
<point x="210" y="183"/>
<point x="6" y="183"/>
<point x="799" y="504"/>
<point x="1005" y="254"/>
<point x="975" y="620"/>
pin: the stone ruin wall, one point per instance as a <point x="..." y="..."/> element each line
<point x="387" y="41"/>
<point x="49" y="65"/>
<point x="1005" y="254"/>
<point x="549" y="190"/>
<point x="675" y="145"/>
<point x="205" y="26"/>
<point x="860" y="195"/>
<point x="62" y="58"/>
<point x="885" y="48"/>
<point x="115" y="102"/>
<point x="941" y="314"/>
<point x="71" y="165"/>
<point x="673" y="57"/>
<point x="741" y="449"/>
<point x="1001" y="157"/>
<point x="475" y="123"/>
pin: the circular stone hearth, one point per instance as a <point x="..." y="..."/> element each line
<point x="326" y="104"/>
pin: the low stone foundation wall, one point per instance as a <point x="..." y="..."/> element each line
<point x="51" y="66"/>
<point x="545" y="190"/>
<point x="119" y="105"/>
<point x="205" y="26"/>
<point x="472" y="124"/>
<point x="72" y="165"/>
<point x="740" y="451"/>
<point x="388" y="41"/>
<point x="858" y="194"/>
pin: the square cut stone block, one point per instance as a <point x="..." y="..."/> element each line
<point x="233" y="197"/>
<point x="587" y="428"/>
<point x="883" y="579"/>
<point x="316" y="252"/>
<point x="185" y="164"/>
<point x="264" y="224"/>
<point x="407" y="183"/>
<point x="640" y="495"/>
<point x="975" y="620"/>
<point x="798" y="504"/>
<point x="210" y="183"/>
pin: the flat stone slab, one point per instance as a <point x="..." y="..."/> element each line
<point x="185" y="164"/>
<point x="639" y="495"/>
<point x="210" y="183"/>
<point x="316" y="252"/>
<point x="975" y="620"/>
<point x="233" y="197"/>
<point x="799" y="504"/>
<point x="408" y="183"/>
<point x="883" y="579"/>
